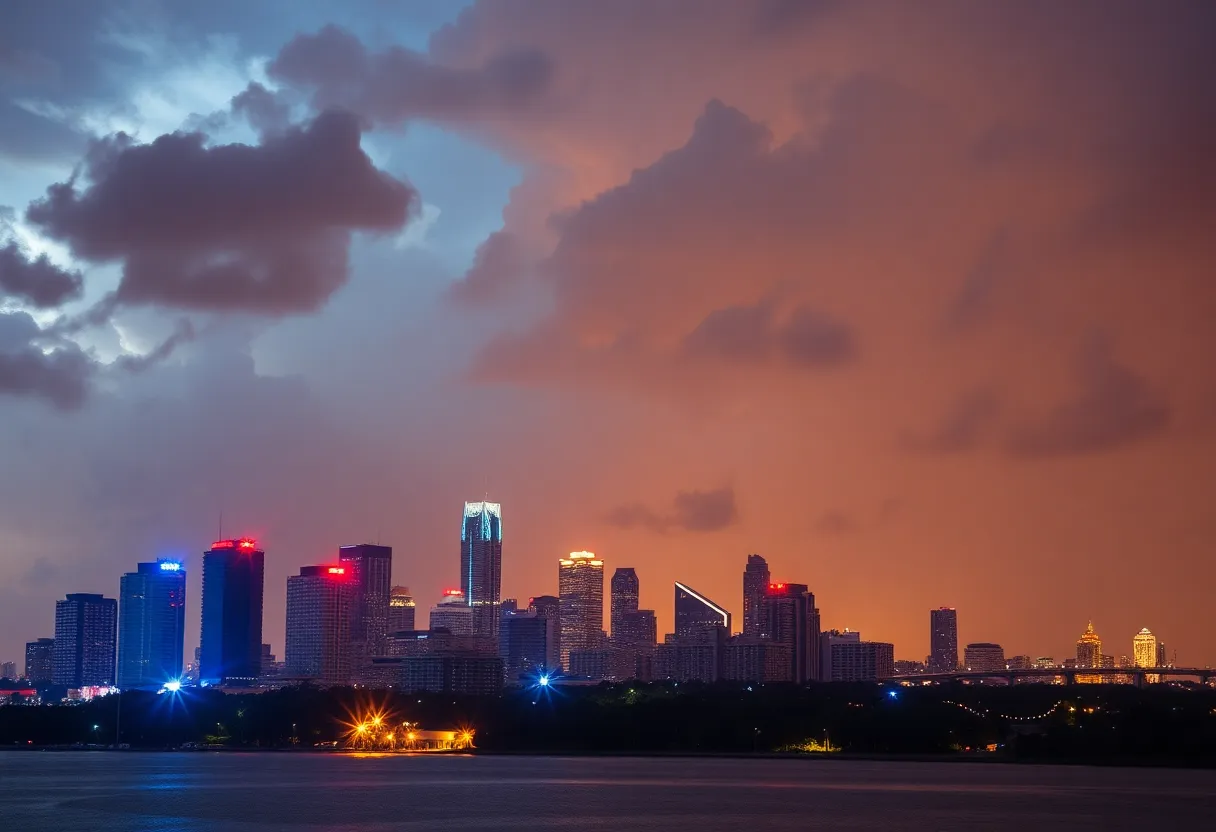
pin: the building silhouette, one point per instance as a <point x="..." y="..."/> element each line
<point x="943" y="640"/>
<point x="151" y="624"/>
<point x="792" y="619"/>
<point x="481" y="565"/>
<point x="844" y="657"/>
<point x="401" y="610"/>
<point x="453" y="614"/>
<point x="624" y="597"/>
<point x="756" y="579"/>
<point x="754" y="659"/>
<point x="694" y="612"/>
<point x="86" y="628"/>
<point x="580" y="581"/>
<point x="230" y="648"/>
<point x="320" y="612"/>
<point x="527" y="642"/>
<point x="373" y="579"/>
<point x="550" y="607"/>
<point x="8" y="670"/>
<point x="984" y="656"/>
<point x="40" y="660"/>
<point x="637" y="629"/>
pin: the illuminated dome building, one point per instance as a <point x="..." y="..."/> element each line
<point x="1089" y="653"/>
<point x="1144" y="652"/>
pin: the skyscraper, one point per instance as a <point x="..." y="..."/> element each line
<point x="231" y="637"/>
<point x="943" y="640"/>
<point x="844" y="657"/>
<point x="792" y="619"/>
<point x="481" y="565"/>
<point x="550" y="607"/>
<point x="756" y="579"/>
<point x="984" y="656"/>
<point x="1089" y="654"/>
<point x="694" y="612"/>
<point x="453" y="614"/>
<point x="636" y="629"/>
<point x="151" y="624"/>
<point x="624" y="596"/>
<point x="528" y="642"/>
<point x="580" y="581"/>
<point x="86" y="627"/>
<point x="401" y="610"/>
<point x="320" y="603"/>
<point x="1144" y="652"/>
<point x="373" y="576"/>
<point x="40" y="660"/>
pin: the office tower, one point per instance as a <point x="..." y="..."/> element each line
<point x="697" y="657"/>
<point x="844" y="657"/>
<point x="1019" y="663"/>
<point x="320" y="604"/>
<point x="86" y="627"/>
<point x="624" y="597"/>
<point x="636" y="629"/>
<point x="528" y="641"/>
<point x="580" y="581"/>
<point x="373" y="575"/>
<point x="1089" y="654"/>
<point x="40" y="660"/>
<point x="401" y="609"/>
<point x="151" y="624"/>
<point x="792" y="619"/>
<point x="1044" y="662"/>
<point x="481" y="565"/>
<point x="984" y="656"/>
<point x="694" y="612"/>
<point x="1162" y="656"/>
<point x="756" y="579"/>
<point x="751" y="659"/>
<point x="453" y="614"/>
<point x="550" y="607"/>
<point x="8" y="670"/>
<point x="603" y="664"/>
<point x="1144" y="652"/>
<point x="231" y="637"/>
<point x="943" y="640"/>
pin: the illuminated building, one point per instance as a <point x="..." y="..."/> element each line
<point x="844" y="657"/>
<point x="693" y="611"/>
<point x="756" y="579"/>
<point x="86" y="627"/>
<point x="550" y="607"/>
<point x="39" y="660"/>
<point x="754" y="659"/>
<point x="943" y="640"/>
<point x="527" y="642"/>
<point x="1019" y="663"/>
<point x="452" y="614"/>
<point x="373" y="576"/>
<point x="151" y="624"/>
<point x="580" y="582"/>
<point x="792" y="619"/>
<point x="1044" y="662"/>
<point x="1144" y="653"/>
<point x="984" y="656"/>
<point x="230" y="646"/>
<point x="603" y="664"/>
<point x="1162" y="656"/>
<point x="696" y="658"/>
<point x="637" y="629"/>
<point x="401" y="609"/>
<point x="481" y="565"/>
<point x="1089" y="654"/>
<point x="624" y="598"/>
<point x="908" y="667"/>
<point x="320" y="601"/>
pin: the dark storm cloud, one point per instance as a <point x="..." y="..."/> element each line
<point x="37" y="281"/>
<point x="1112" y="407"/>
<point x="60" y="377"/>
<point x="266" y="112"/>
<point x="236" y="227"/>
<point x="753" y="334"/>
<point x="396" y="85"/>
<point x="694" y="511"/>
<point x="963" y="428"/>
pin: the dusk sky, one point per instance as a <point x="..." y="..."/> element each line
<point x="916" y="300"/>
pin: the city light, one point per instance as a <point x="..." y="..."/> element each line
<point x="543" y="681"/>
<point x="173" y="685"/>
<point x="336" y="570"/>
<point x="170" y="566"/>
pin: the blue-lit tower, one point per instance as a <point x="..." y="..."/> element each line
<point x="151" y="624"/>
<point x="481" y="565"/>
<point x="230" y="647"/>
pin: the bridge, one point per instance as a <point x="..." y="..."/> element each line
<point x="1105" y="675"/>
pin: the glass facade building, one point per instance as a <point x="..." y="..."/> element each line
<point x="580" y="582"/>
<point x="943" y="640"/>
<point x="695" y="612"/>
<point x="151" y="624"/>
<point x="481" y="565"/>
<point x="792" y="619"/>
<point x="231" y="637"/>
<point x="40" y="660"/>
<point x="372" y="567"/>
<point x="624" y="597"/>
<point x="320" y="605"/>
<point x="756" y="579"/>
<point x="86" y="628"/>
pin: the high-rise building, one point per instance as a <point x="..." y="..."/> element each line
<point x="636" y="629"/>
<point x="792" y="619"/>
<point x="1089" y="654"/>
<point x="943" y="640"/>
<point x="1162" y="656"/>
<point x="320" y="604"/>
<point x="86" y="627"/>
<point x="401" y="609"/>
<point x="481" y="565"/>
<point x="753" y="659"/>
<point x="8" y="670"/>
<point x="40" y="660"/>
<point x="756" y="579"/>
<point x="550" y="607"/>
<point x="453" y="614"/>
<point x="151" y="624"/>
<point x="268" y="664"/>
<point x="844" y="657"/>
<point x="1019" y="663"/>
<point x="373" y="576"/>
<point x="527" y="643"/>
<point x="1144" y="653"/>
<point x="624" y="597"/>
<point x="230" y="646"/>
<point x="580" y="581"/>
<point x="984" y="656"/>
<point x="693" y="612"/>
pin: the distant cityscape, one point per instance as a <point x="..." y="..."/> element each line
<point x="348" y="624"/>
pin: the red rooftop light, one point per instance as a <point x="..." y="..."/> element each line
<point x="337" y="570"/>
<point x="224" y="544"/>
<point x="453" y="592"/>
<point x="247" y="543"/>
